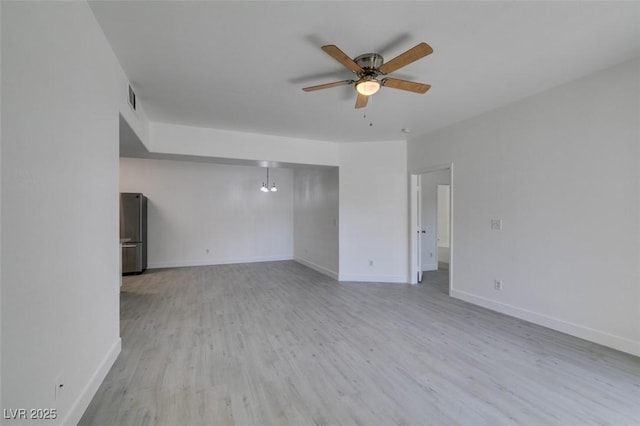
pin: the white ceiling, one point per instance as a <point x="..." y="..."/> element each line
<point x="241" y="65"/>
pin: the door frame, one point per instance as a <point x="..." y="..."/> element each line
<point x="414" y="262"/>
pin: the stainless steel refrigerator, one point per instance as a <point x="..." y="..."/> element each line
<point x="133" y="232"/>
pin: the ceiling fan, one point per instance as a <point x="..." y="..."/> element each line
<point x="371" y="65"/>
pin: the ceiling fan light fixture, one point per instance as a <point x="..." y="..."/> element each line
<point x="367" y="86"/>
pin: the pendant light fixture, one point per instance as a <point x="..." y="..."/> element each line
<point x="265" y="186"/>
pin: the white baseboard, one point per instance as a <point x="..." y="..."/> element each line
<point x="316" y="267"/>
<point x="597" y="336"/>
<point x="401" y="279"/>
<point x="220" y="261"/>
<point x="84" y="399"/>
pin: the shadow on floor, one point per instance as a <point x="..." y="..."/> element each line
<point x="437" y="279"/>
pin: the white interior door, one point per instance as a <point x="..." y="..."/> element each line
<point x="428" y="221"/>
<point x="415" y="228"/>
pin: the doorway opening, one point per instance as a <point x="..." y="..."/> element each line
<point x="443" y="219"/>
<point x="430" y="232"/>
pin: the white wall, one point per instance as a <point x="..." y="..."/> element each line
<point x="194" y="207"/>
<point x="444" y="222"/>
<point x="444" y="201"/>
<point x="561" y="170"/>
<point x="316" y="219"/>
<point x="60" y="102"/>
<point x="200" y="141"/>
<point x="373" y="221"/>
<point x="373" y="212"/>
<point x="136" y="119"/>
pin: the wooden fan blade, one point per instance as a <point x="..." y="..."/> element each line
<point x="340" y="56"/>
<point x="409" y="86"/>
<point x="411" y="55"/>
<point x="327" y="86"/>
<point x="361" y="101"/>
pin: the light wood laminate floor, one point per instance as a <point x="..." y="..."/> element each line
<point x="276" y="343"/>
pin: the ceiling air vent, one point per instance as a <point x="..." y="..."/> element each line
<point x="132" y="98"/>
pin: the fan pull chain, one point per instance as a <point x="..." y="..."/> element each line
<point x="364" y="116"/>
<point x="364" y="113"/>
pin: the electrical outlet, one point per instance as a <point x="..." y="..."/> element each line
<point x="496" y="224"/>
<point x="58" y="388"/>
<point x="497" y="285"/>
<point x="371" y="263"/>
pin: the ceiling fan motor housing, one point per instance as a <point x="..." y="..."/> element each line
<point x="369" y="62"/>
